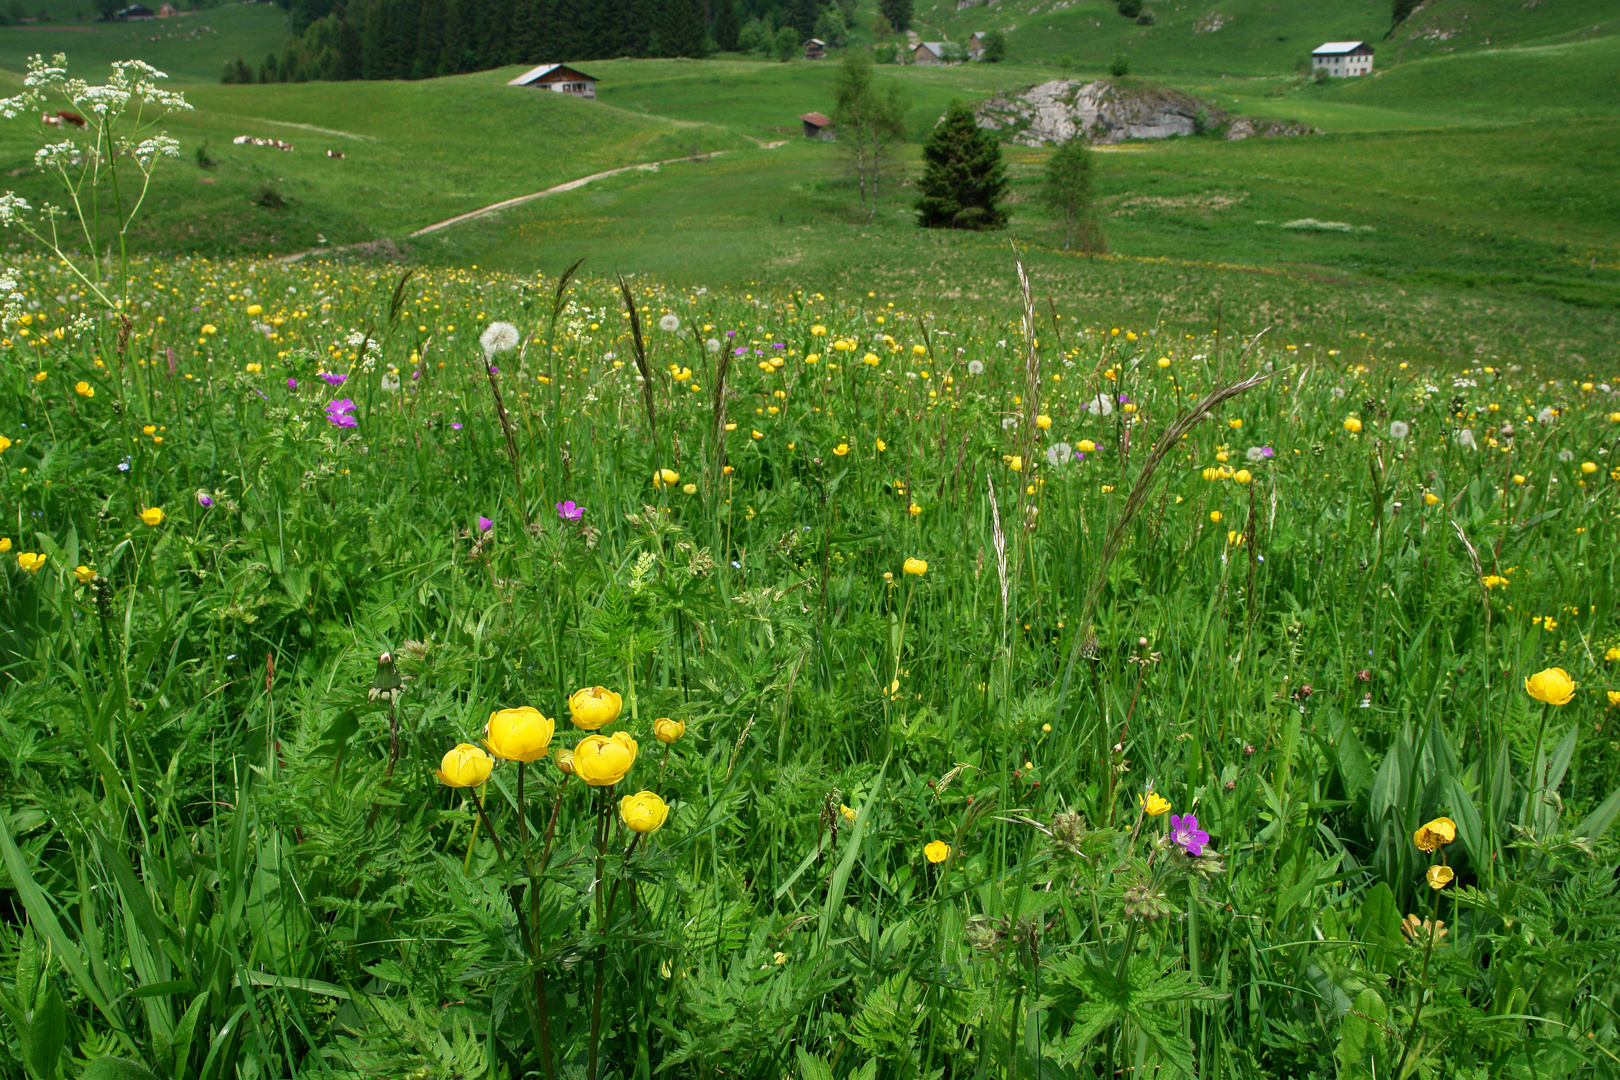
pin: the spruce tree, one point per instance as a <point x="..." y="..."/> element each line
<point x="898" y="12"/>
<point x="963" y="175"/>
<point x="727" y="25"/>
<point x="429" y="40"/>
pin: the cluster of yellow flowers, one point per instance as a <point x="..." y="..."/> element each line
<point x="524" y="734"/>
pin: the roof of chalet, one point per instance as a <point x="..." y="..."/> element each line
<point x="816" y="118"/>
<point x="1339" y="48"/>
<point x="935" y="47"/>
<point x="534" y="75"/>
<point x="816" y="41"/>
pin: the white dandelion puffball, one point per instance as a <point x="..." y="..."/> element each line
<point x="499" y="337"/>
<point x="1566" y="455"/>
<point x="670" y="323"/>
<point x="1545" y="416"/>
<point x="713" y="345"/>
<point x="1008" y="422"/>
<point x="1338" y="391"/>
<point x="1399" y="429"/>
<point x="1102" y="405"/>
<point x="1465" y="438"/>
<point x="1255" y="453"/>
<point x="975" y="367"/>
<point x="390" y="383"/>
<point x="1059" y="454"/>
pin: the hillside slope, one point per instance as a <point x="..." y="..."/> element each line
<point x="1257" y="36"/>
<point x="188" y="48"/>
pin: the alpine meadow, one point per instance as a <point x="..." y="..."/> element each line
<point x="800" y="540"/>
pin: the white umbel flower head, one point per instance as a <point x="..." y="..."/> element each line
<point x="1399" y="429"/>
<point x="499" y="337"/>
<point x="670" y="323"/>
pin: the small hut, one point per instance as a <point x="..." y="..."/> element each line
<point x="815" y="49"/>
<point x="559" y="78"/>
<point x="819" y="126"/>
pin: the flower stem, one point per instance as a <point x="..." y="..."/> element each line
<point x="601" y="929"/>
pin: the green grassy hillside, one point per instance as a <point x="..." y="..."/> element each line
<point x="1258" y="36"/>
<point x="414" y="152"/>
<point x="188" y="48"/>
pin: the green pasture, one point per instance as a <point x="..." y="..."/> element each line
<point x="191" y="47"/>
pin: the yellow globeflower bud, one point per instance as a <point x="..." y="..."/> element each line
<point x="1154" y="803"/>
<point x="594" y="707"/>
<point x="690" y="489"/>
<point x="464" y="766"/>
<point x="1588" y="467"/>
<point x="644" y="811"/>
<point x="663" y="478"/>
<point x="152" y="516"/>
<point x="603" y="762"/>
<point x="521" y="734"/>
<point x="667" y="731"/>
<point x="1440" y="876"/>
<point x="916" y="567"/>
<point x="565" y="762"/>
<point x="84" y="574"/>
<point x="1435" y="835"/>
<point x="1554" y="686"/>
<point x="937" y="851"/>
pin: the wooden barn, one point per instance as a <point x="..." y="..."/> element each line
<point x="819" y="126"/>
<point x="559" y="78"/>
<point x="929" y="54"/>
<point x="815" y="49"/>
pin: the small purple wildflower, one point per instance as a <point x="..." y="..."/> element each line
<point x="205" y="500"/>
<point x="494" y="369"/>
<point x="1185" y="831"/>
<point x="1124" y="399"/>
<point x="334" y="380"/>
<point x="292" y="384"/>
<point x="570" y="511"/>
<point x="778" y="345"/>
<point x="341" y="413"/>
<point x="731" y="333"/>
<point x="1268" y="451"/>
<point x="455" y="425"/>
<point x="741" y="350"/>
<point x="485" y="524"/>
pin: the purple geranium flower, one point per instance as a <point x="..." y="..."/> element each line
<point x="485" y="524"/>
<point x="455" y="425"/>
<point x="568" y="511"/>
<point x="205" y="500"/>
<point x="334" y="380"/>
<point x="1185" y="831"/>
<point x="741" y="350"/>
<point x="1268" y="451"/>
<point x="341" y="413"/>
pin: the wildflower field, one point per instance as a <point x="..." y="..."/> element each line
<point x="452" y="674"/>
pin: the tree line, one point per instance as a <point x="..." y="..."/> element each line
<point x="423" y="39"/>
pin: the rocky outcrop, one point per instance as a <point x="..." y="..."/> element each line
<point x="1108" y="112"/>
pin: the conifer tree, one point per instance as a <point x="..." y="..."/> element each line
<point x="727" y="25"/>
<point x="963" y="175"/>
<point x="898" y="12"/>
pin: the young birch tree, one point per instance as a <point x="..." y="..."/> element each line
<point x="871" y="119"/>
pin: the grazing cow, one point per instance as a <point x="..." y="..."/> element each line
<point x="334" y="153"/>
<point x="50" y="121"/>
<point x="70" y="118"/>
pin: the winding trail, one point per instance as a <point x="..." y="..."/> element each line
<point x="506" y="204"/>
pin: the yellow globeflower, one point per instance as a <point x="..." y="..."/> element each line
<point x="521" y="734"/>
<point x="1085" y="446"/>
<point x="1154" y="803"/>
<point x="1016" y="463"/>
<point x="255" y="309"/>
<point x="5" y="544"/>
<point x="663" y="478"/>
<point x="84" y="389"/>
<point x="1588" y="467"/>
<point x="1612" y="654"/>
<point x="31" y="561"/>
<point x="1435" y="834"/>
<point x="1215" y="516"/>
<point x="1352" y="424"/>
<point x="1439" y="876"/>
<point x="871" y="360"/>
<point x="1043" y="421"/>
<point x="667" y="731"/>
<point x="915" y="567"/>
<point x="464" y="766"/>
<point x="937" y="851"/>
<point x="1554" y="686"/>
<point x="644" y="811"/>
<point x="84" y="574"/>
<point x="603" y="762"/>
<point x="152" y="516"/>
<point x="5" y="444"/>
<point x="594" y="707"/>
<point x="1614" y="698"/>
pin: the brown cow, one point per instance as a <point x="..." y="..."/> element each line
<point x="70" y="117"/>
